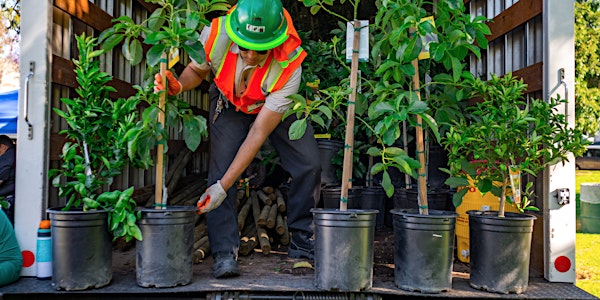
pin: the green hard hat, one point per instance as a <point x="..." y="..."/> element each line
<point x="257" y="24"/>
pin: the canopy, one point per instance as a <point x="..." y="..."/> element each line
<point x="9" y="112"/>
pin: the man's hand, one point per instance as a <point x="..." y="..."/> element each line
<point x="212" y="198"/>
<point x="175" y="86"/>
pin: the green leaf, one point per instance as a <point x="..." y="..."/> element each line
<point x="374" y="151"/>
<point x="297" y="129"/>
<point x="314" y="10"/>
<point x="457" y="198"/>
<point x="136" y="232"/>
<point x="136" y="52"/>
<point x="154" y="54"/>
<point x="195" y="50"/>
<point x="455" y="182"/>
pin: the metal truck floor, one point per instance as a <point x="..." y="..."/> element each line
<point x="273" y="276"/>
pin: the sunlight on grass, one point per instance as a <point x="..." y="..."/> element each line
<point x="587" y="245"/>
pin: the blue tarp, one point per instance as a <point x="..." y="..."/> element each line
<point x="9" y="112"/>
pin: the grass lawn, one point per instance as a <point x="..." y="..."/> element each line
<point x="587" y="245"/>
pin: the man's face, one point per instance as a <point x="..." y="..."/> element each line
<point x="253" y="58"/>
<point x="3" y="149"/>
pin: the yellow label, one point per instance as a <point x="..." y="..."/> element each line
<point x="173" y="57"/>
<point x="322" y="135"/>
<point x="427" y="39"/>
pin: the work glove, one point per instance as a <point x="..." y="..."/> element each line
<point x="175" y="86"/>
<point x="212" y="198"/>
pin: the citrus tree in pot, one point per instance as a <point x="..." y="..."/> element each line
<point x="164" y="257"/>
<point x="416" y="40"/>
<point x="503" y="135"/>
<point x="95" y="152"/>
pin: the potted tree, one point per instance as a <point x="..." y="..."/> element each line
<point x="502" y="136"/>
<point x="346" y="227"/>
<point x="164" y="258"/>
<point x="95" y="152"/>
<point x="405" y="31"/>
<point x="322" y="101"/>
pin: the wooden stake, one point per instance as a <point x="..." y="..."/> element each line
<point x="263" y="237"/>
<point x="272" y="217"/>
<point x="349" y="141"/>
<point x="159" y="202"/>
<point x="264" y="197"/>
<point x="422" y="179"/>
<point x="280" y="202"/>
<point x="243" y="214"/>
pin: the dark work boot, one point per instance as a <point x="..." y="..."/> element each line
<point x="225" y="265"/>
<point x="301" y="245"/>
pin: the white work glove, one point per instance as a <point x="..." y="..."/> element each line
<point x="212" y="198"/>
<point x="175" y="86"/>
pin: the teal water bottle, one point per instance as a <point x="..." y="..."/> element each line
<point x="43" y="254"/>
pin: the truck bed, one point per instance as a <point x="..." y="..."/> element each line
<point x="273" y="276"/>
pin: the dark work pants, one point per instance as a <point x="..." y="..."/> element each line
<point x="300" y="158"/>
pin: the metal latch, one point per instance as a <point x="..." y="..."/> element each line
<point x="564" y="196"/>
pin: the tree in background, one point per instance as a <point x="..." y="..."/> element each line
<point x="587" y="66"/>
<point x="10" y="11"/>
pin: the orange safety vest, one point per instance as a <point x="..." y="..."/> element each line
<point x="281" y="63"/>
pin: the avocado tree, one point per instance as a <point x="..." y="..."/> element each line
<point x="172" y="27"/>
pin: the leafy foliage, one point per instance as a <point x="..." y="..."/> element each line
<point x="504" y="130"/>
<point x="400" y="30"/>
<point x="96" y="150"/>
<point x="587" y="66"/>
<point x="174" y="25"/>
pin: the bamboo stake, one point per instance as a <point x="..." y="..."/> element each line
<point x="263" y="238"/>
<point x="349" y="141"/>
<point x="279" y="225"/>
<point x="243" y="214"/>
<point x="268" y="189"/>
<point x="407" y="181"/>
<point x="285" y="237"/>
<point x="422" y="179"/>
<point x="272" y="217"/>
<point x="264" y="215"/>
<point x="159" y="202"/>
<point x="280" y="202"/>
<point x="264" y="197"/>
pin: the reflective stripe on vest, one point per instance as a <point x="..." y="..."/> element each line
<point x="272" y="76"/>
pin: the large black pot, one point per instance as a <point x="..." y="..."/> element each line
<point x="423" y="250"/>
<point x="500" y="251"/>
<point x="81" y="249"/>
<point x="164" y="256"/>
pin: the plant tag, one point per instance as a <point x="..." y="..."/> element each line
<point x="173" y="57"/>
<point x="363" y="49"/>
<point x="515" y="183"/>
<point x="427" y="39"/>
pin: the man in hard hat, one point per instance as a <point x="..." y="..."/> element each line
<point x="255" y="55"/>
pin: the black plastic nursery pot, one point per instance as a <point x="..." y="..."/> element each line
<point x="164" y="256"/>
<point x="344" y="249"/>
<point x="500" y="251"/>
<point x="423" y="250"/>
<point x="373" y="197"/>
<point x="437" y="199"/>
<point x="328" y="149"/>
<point x="81" y="249"/>
<point x="331" y="197"/>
